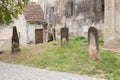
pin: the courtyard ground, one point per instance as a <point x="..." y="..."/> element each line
<point x="73" y="59"/>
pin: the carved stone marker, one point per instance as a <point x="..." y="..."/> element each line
<point x="54" y="34"/>
<point x="64" y="37"/>
<point x="15" y="41"/>
<point x="93" y="43"/>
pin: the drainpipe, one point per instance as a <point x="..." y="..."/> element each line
<point x="45" y="21"/>
<point x="45" y="8"/>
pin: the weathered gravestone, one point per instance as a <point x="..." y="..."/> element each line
<point x="15" y="41"/>
<point x="93" y="43"/>
<point x="64" y="37"/>
<point x="54" y="35"/>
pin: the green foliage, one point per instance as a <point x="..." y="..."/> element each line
<point x="10" y="9"/>
<point x="81" y="38"/>
<point x="101" y="41"/>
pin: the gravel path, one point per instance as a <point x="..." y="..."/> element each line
<point x="17" y="72"/>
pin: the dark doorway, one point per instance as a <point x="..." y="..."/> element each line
<point x="38" y="36"/>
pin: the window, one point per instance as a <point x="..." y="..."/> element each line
<point x="99" y="6"/>
<point x="52" y="16"/>
<point x="69" y="9"/>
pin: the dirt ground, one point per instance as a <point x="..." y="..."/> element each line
<point x="26" y="51"/>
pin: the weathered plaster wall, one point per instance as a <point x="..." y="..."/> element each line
<point x="112" y="24"/>
<point x="84" y="15"/>
<point x="31" y="32"/>
<point x="20" y="23"/>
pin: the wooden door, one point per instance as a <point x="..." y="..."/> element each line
<point x="38" y="36"/>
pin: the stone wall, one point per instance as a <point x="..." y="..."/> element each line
<point x="84" y="13"/>
<point x="112" y="25"/>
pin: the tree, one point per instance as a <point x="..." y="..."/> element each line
<point x="10" y="9"/>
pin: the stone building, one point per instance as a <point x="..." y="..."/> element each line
<point x="29" y="26"/>
<point x="34" y="18"/>
<point x="112" y="24"/>
<point x="78" y="15"/>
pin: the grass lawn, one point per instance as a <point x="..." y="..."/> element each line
<point x="1" y="42"/>
<point x="73" y="59"/>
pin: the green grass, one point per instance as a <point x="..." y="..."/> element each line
<point x="1" y="42"/>
<point x="74" y="59"/>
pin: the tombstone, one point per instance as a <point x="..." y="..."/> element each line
<point x="93" y="43"/>
<point x="64" y="37"/>
<point x="15" y="41"/>
<point x="54" y="34"/>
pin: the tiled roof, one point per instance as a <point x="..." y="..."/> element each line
<point x="33" y="13"/>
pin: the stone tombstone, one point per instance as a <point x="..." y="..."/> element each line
<point x="54" y="33"/>
<point x="15" y="41"/>
<point x="93" y="44"/>
<point x="64" y="36"/>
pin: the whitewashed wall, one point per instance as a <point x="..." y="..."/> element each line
<point x="20" y="23"/>
<point x="31" y="32"/>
